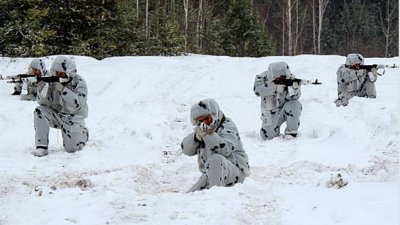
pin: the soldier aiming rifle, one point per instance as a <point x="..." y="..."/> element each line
<point x="36" y="70"/>
<point x="356" y="79"/>
<point x="280" y="91"/>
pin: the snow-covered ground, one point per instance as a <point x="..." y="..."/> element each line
<point x="133" y="172"/>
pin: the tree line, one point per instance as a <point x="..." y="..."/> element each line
<point x="254" y="28"/>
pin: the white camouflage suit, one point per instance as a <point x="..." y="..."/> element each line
<point x="353" y="82"/>
<point x="65" y="110"/>
<point x="31" y="85"/>
<point x="279" y="103"/>
<point x="220" y="154"/>
<point x="30" y="90"/>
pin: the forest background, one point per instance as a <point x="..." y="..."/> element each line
<point x="251" y="28"/>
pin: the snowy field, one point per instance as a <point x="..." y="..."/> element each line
<point x="133" y="172"/>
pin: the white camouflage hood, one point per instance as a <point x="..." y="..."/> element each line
<point x="37" y="64"/>
<point x="206" y="107"/>
<point x="278" y="69"/>
<point x="64" y="64"/>
<point x="352" y="59"/>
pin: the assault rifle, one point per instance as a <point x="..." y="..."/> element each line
<point x="16" y="78"/>
<point x="369" y="68"/>
<point x="20" y="78"/>
<point x="290" y="81"/>
<point x="51" y="79"/>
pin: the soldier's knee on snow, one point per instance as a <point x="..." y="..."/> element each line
<point x="267" y="134"/>
<point x="74" y="148"/>
<point x="270" y="137"/>
<point x="71" y="150"/>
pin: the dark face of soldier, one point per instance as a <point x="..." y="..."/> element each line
<point x="205" y="119"/>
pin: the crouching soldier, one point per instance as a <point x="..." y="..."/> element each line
<point x="63" y="105"/>
<point x="352" y="80"/>
<point x="36" y="68"/>
<point x="216" y="142"/>
<point x="279" y="94"/>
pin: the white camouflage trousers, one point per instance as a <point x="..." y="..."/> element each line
<point x="74" y="135"/>
<point x="289" y="113"/>
<point x="367" y="90"/>
<point x="219" y="172"/>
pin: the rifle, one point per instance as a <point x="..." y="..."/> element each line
<point x="21" y="78"/>
<point x="16" y="78"/>
<point x="51" y="79"/>
<point x="290" y="81"/>
<point x="369" y="68"/>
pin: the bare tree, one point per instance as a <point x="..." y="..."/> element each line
<point x="386" y="19"/>
<point x="283" y="31"/>
<point x="296" y="32"/>
<point x="172" y="6"/>
<point x="199" y="27"/>
<point x="186" y="9"/>
<point x="299" y="27"/>
<point x="289" y="26"/>
<point x="322" y="4"/>
<point x="137" y="9"/>
<point x="147" y="19"/>
<point x="314" y="26"/>
<point x="294" y="26"/>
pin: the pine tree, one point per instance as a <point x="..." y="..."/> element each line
<point x="244" y="35"/>
<point x="213" y="37"/>
<point x="120" y="32"/>
<point x="168" y="40"/>
<point x="220" y="27"/>
<point x="358" y="28"/>
<point x="23" y="30"/>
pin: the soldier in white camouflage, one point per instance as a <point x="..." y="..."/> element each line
<point x="216" y="142"/>
<point x="62" y="105"/>
<point x="354" y="81"/>
<point x="279" y="103"/>
<point x="37" y="67"/>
